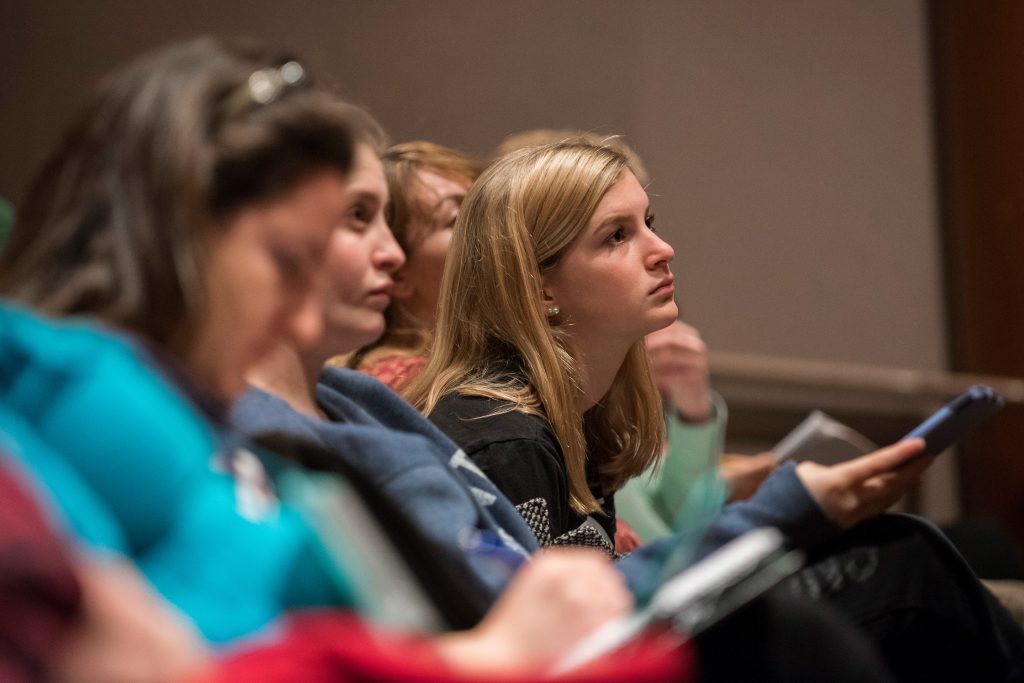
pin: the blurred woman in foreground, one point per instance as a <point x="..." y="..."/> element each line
<point x="178" y="236"/>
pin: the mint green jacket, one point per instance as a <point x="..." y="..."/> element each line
<point x="682" y="493"/>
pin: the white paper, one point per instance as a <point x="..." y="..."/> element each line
<point x="824" y="440"/>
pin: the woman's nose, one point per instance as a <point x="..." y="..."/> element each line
<point x="388" y="255"/>
<point x="661" y="251"/>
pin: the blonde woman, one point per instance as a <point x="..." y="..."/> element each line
<point x="538" y="371"/>
<point x="538" y="368"/>
<point x="517" y="343"/>
<point x="692" y="478"/>
<point x="427" y="183"/>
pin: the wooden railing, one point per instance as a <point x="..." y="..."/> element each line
<point x="798" y="383"/>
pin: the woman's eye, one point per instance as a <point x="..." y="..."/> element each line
<point x="617" y="237"/>
<point x="359" y="215"/>
<point x="649" y="222"/>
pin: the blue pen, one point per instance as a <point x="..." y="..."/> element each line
<point x="488" y="546"/>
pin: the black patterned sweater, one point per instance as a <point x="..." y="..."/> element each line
<point x="519" y="453"/>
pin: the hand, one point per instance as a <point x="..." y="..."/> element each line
<point x="743" y="474"/>
<point x="858" y="489"/>
<point x="128" y="632"/>
<point x="679" y="364"/>
<point x="554" y="601"/>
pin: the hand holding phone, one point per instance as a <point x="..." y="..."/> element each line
<point x="956" y="419"/>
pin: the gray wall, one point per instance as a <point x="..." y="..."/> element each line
<point x="789" y="140"/>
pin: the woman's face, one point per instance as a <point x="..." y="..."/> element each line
<point x="362" y="257"/>
<point x="418" y="284"/>
<point x="263" y="276"/>
<point x="613" y="282"/>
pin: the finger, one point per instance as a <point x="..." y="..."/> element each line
<point x="912" y="471"/>
<point x="688" y="329"/>
<point x="676" y="366"/>
<point x="681" y="337"/>
<point x="754" y="465"/>
<point x="675" y="351"/>
<point x="661" y="336"/>
<point x="883" y="460"/>
<point x="896" y="483"/>
<point x="689" y="344"/>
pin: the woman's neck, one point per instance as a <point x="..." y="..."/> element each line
<point x="599" y="363"/>
<point x="290" y="376"/>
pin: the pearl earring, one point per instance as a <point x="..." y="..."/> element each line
<point x="553" y="311"/>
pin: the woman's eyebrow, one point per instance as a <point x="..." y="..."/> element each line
<point x="363" y="195"/>
<point x="621" y="216"/>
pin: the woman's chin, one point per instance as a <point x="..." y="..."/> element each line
<point x="666" y="315"/>
<point x="350" y="339"/>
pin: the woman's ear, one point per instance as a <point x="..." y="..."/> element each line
<point x="402" y="288"/>
<point x="550" y="305"/>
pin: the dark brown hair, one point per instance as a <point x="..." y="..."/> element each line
<point x="116" y="224"/>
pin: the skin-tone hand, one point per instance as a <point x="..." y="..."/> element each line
<point x="558" y="598"/>
<point x="128" y="633"/>
<point x="743" y="474"/>
<point x="679" y="364"/>
<point x="626" y="539"/>
<point x="859" y="489"/>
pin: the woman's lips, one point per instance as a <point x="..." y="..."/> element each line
<point x="666" y="286"/>
<point x="381" y="296"/>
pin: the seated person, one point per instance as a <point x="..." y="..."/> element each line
<point x="539" y="372"/>
<point x="473" y="528"/>
<point x="692" y="478"/>
<point x="193" y="261"/>
<point x="426" y="186"/>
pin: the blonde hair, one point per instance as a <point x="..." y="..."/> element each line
<point x="516" y="222"/>
<point x="550" y="136"/>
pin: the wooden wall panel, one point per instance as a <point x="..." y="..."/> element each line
<point x="978" y="51"/>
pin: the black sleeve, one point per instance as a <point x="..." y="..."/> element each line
<point x="531" y="475"/>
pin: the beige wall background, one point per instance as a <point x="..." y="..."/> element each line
<point x="789" y="140"/>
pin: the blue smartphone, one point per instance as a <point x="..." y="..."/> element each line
<point x="956" y="419"/>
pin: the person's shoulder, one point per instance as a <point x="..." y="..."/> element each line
<point x="257" y="410"/>
<point x="91" y="388"/>
<point x="346" y="395"/>
<point x="356" y="386"/>
<point x="476" y="422"/>
<point x="352" y="396"/>
<point x="346" y="380"/>
<point x="463" y="408"/>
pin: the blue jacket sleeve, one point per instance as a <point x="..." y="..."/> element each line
<point x="781" y="502"/>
